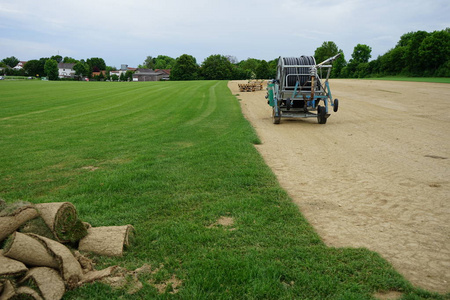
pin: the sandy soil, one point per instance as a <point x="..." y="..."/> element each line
<point x="377" y="175"/>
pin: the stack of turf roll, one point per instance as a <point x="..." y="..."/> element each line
<point x="62" y="219"/>
<point x="34" y="261"/>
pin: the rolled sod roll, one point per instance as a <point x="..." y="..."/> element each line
<point x="107" y="240"/>
<point x="13" y="216"/>
<point x="47" y="280"/>
<point x="69" y="267"/>
<point x="24" y="248"/>
<point x="63" y="221"/>
<point x="25" y="292"/>
<point x="8" y="290"/>
<point x="37" y="226"/>
<point x="11" y="267"/>
<point x="35" y="250"/>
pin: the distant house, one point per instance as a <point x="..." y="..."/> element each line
<point x="111" y="73"/>
<point x="148" y="75"/>
<point x="20" y="65"/>
<point x="123" y="70"/>
<point x="166" y="73"/>
<point x="98" y="73"/>
<point x="65" y="70"/>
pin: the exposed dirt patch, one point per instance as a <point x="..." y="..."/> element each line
<point x="131" y="280"/>
<point x="375" y="175"/>
<point x="173" y="284"/>
<point x="225" y="222"/>
<point x="90" y="168"/>
<point x="391" y="295"/>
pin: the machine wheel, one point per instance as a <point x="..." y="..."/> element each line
<point x="288" y="103"/>
<point x="275" y="120"/>
<point x="321" y="115"/>
<point x="335" y="105"/>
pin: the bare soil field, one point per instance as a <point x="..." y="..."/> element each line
<point x="377" y="175"/>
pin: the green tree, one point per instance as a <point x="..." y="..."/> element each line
<point x="33" y="68"/>
<point x="149" y="63"/>
<point x="216" y="67"/>
<point x="338" y="65"/>
<point x="327" y="50"/>
<point x="362" y="70"/>
<point x="114" y="77"/>
<point x="413" y="41"/>
<point x="51" y="69"/>
<point x="81" y="68"/>
<point x="361" y="54"/>
<point x="232" y="59"/>
<point x="163" y="62"/>
<point x="240" y="74"/>
<point x="273" y="67"/>
<point x="96" y="64"/>
<point x="185" y="68"/>
<point x="434" y="51"/>
<point x="42" y="62"/>
<point x="405" y="39"/>
<point x="374" y="66"/>
<point x="250" y="64"/>
<point x="122" y="77"/>
<point x="69" y="60"/>
<point x="129" y="75"/>
<point x="11" y="61"/>
<point x="393" y="61"/>
<point x="263" y="70"/>
<point x="58" y="58"/>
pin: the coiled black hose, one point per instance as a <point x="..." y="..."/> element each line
<point x="302" y="73"/>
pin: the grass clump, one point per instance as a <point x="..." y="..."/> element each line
<point x="173" y="159"/>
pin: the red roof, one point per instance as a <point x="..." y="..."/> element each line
<point x="165" y="71"/>
<point x="98" y="73"/>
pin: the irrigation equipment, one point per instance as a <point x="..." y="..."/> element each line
<point x="299" y="91"/>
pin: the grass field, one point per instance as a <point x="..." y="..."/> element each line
<point x="172" y="158"/>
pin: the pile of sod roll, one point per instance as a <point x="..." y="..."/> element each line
<point x="40" y="249"/>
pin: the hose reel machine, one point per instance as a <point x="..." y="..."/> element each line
<point x="299" y="92"/>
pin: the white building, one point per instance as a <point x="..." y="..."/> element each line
<point x="65" y="70"/>
<point x="20" y="65"/>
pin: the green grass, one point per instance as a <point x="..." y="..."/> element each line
<point x="171" y="158"/>
<point x="415" y="79"/>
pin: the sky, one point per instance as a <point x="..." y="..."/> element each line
<point x="127" y="31"/>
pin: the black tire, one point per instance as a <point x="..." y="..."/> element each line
<point x="335" y="105"/>
<point x="321" y="115"/>
<point x="288" y="103"/>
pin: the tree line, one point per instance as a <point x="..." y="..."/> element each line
<point x="48" y="66"/>
<point x="417" y="53"/>
<point x="221" y="67"/>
